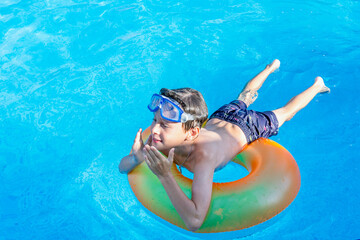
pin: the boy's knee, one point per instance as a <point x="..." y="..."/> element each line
<point x="248" y="96"/>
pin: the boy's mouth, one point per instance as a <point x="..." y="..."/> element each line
<point x="155" y="140"/>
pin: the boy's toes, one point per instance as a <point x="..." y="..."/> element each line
<point x="274" y="65"/>
<point x="320" y="82"/>
<point x="325" y="89"/>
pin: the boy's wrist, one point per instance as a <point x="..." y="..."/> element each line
<point x="164" y="177"/>
<point x="138" y="158"/>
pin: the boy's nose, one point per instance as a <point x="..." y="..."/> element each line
<point x="155" y="129"/>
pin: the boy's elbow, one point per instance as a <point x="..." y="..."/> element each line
<point x="127" y="164"/>
<point x="194" y="228"/>
<point x="195" y="225"/>
<point x="122" y="170"/>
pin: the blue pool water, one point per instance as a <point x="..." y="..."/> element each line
<point x="75" y="78"/>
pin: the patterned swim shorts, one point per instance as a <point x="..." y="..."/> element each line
<point x="254" y="124"/>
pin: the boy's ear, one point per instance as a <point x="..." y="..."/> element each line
<point x="193" y="133"/>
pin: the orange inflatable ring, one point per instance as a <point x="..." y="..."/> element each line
<point x="271" y="185"/>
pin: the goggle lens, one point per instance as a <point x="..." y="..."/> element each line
<point x="155" y="102"/>
<point x="169" y="111"/>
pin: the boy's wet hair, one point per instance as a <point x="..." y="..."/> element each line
<point x="191" y="101"/>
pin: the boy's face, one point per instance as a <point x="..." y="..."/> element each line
<point x="166" y="134"/>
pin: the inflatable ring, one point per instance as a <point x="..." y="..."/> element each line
<point x="271" y="185"/>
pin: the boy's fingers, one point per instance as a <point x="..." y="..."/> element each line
<point x="150" y="159"/>
<point x="149" y="140"/>
<point x="147" y="161"/>
<point x="157" y="153"/>
<point x="150" y="154"/>
<point x="140" y="133"/>
<point x="171" y="155"/>
<point x="153" y="155"/>
<point x="146" y="157"/>
<point x="137" y="135"/>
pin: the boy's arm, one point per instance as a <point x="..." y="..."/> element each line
<point x="193" y="211"/>
<point x="128" y="163"/>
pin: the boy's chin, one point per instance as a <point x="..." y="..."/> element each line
<point x="162" y="148"/>
<point x="158" y="145"/>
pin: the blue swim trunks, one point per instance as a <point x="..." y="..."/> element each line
<point x="254" y="124"/>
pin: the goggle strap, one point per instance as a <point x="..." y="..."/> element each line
<point x="186" y="117"/>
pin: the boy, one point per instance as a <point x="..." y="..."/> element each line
<point x="176" y="131"/>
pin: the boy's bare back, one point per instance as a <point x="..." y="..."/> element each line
<point x="218" y="142"/>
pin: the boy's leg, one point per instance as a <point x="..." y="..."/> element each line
<point x="249" y="94"/>
<point x="300" y="101"/>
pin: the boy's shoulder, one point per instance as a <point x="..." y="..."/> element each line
<point x="204" y="150"/>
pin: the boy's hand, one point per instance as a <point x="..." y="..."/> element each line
<point x="157" y="163"/>
<point x="137" y="148"/>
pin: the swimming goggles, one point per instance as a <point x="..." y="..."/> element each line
<point x="169" y="109"/>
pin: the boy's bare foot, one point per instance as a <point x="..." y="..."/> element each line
<point x="320" y="82"/>
<point x="274" y="65"/>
